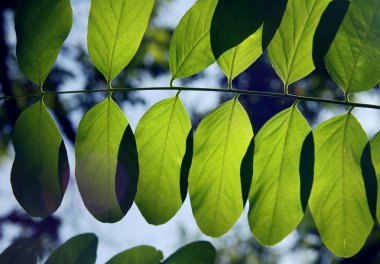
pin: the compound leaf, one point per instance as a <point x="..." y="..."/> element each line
<point x="190" y="50"/>
<point x="353" y="59"/>
<point x="115" y="31"/>
<point x="161" y="137"/>
<point x="138" y="255"/>
<point x="276" y="207"/>
<point x="106" y="162"/>
<point x="220" y="143"/>
<point x="40" y="172"/>
<point x="200" y="252"/>
<point x="338" y="200"/>
<point x="41" y="29"/>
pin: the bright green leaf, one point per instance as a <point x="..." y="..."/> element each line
<point x="115" y="31"/>
<point x="375" y="151"/>
<point x="200" y="252"/>
<point x="190" y="50"/>
<point x="353" y="59"/>
<point x="276" y="207"/>
<point x="236" y="60"/>
<point x="291" y="50"/>
<point x="161" y="137"/>
<point x="338" y="200"/>
<point x="80" y="249"/>
<point x="41" y="29"/>
<point x="138" y="255"/>
<point x="220" y="144"/>
<point x="40" y="172"/>
<point x="106" y="162"/>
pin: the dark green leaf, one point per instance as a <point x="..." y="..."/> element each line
<point x="40" y="172"/>
<point x="220" y="144"/>
<point x="138" y="255"/>
<point x="200" y="252"/>
<point x="80" y="249"/>
<point x="190" y="50"/>
<point x="161" y="142"/>
<point x="115" y="31"/>
<point x="41" y="29"/>
<point x="275" y="197"/>
<point x="21" y="251"/>
<point x="338" y="200"/>
<point x="106" y="162"/>
<point x="353" y="59"/>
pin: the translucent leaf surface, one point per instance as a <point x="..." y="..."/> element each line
<point x="106" y="162"/>
<point x="41" y="29"/>
<point x="79" y="249"/>
<point x="353" y="59"/>
<point x="220" y="143"/>
<point x="338" y="200"/>
<point x="291" y="50"/>
<point x="138" y="255"/>
<point x="200" y="252"/>
<point x="161" y="137"/>
<point x="115" y="31"/>
<point x="40" y="172"/>
<point x="276" y="205"/>
<point x="190" y="50"/>
<point x="375" y="151"/>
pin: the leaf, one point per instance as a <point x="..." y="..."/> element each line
<point x="233" y="22"/>
<point x="161" y="138"/>
<point x="200" y="252"/>
<point x="115" y="31"/>
<point x="353" y="59"/>
<point x="21" y="251"/>
<point x="375" y="152"/>
<point x="291" y="50"/>
<point x="190" y="50"/>
<point x="338" y="199"/>
<point x="220" y="144"/>
<point x="80" y="249"/>
<point x="40" y="172"/>
<point x="236" y="60"/>
<point x="138" y="255"/>
<point x="106" y="162"/>
<point x="41" y="28"/>
<point x="276" y="207"/>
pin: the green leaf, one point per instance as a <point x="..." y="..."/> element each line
<point x="236" y="60"/>
<point x="106" y="162"/>
<point x="200" y="252"/>
<point x="21" y="251"/>
<point x="353" y="59"/>
<point x="41" y="29"/>
<point x="220" y="143"/>
<point x="190" y="50"/>
<point x="338" y="199"/>
<point x="40" y="172"/>
<point x="80" y="249"/>
<point x="161" y="137"/>
<point x="276" y="207"/>
<point x="291" y="50"/>
<point x="233" y="22"/>
<point x="138" y="255"/>
<point x="115" y="31"/>
<point x="375" y="152"/>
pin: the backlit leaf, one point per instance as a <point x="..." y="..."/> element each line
<point x="106" y="162"/>
<point x="190" y="50"/>
<point x="200" y="252"/>
<point x="40" y="172"/>
<point x="276" y="207"/>
<point x="220" y="143"/>
<point x="41" y="29"/>
<point x="338" y="200"/>
<point x="375" y="151"/>
<point x="80" y="249"/>
<point x="291" y="50"/>
<point x="161" y="137"/>
<point x="138" y="255"/>
<point x="115" y="31"/>
<point x="353" y="59"/>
